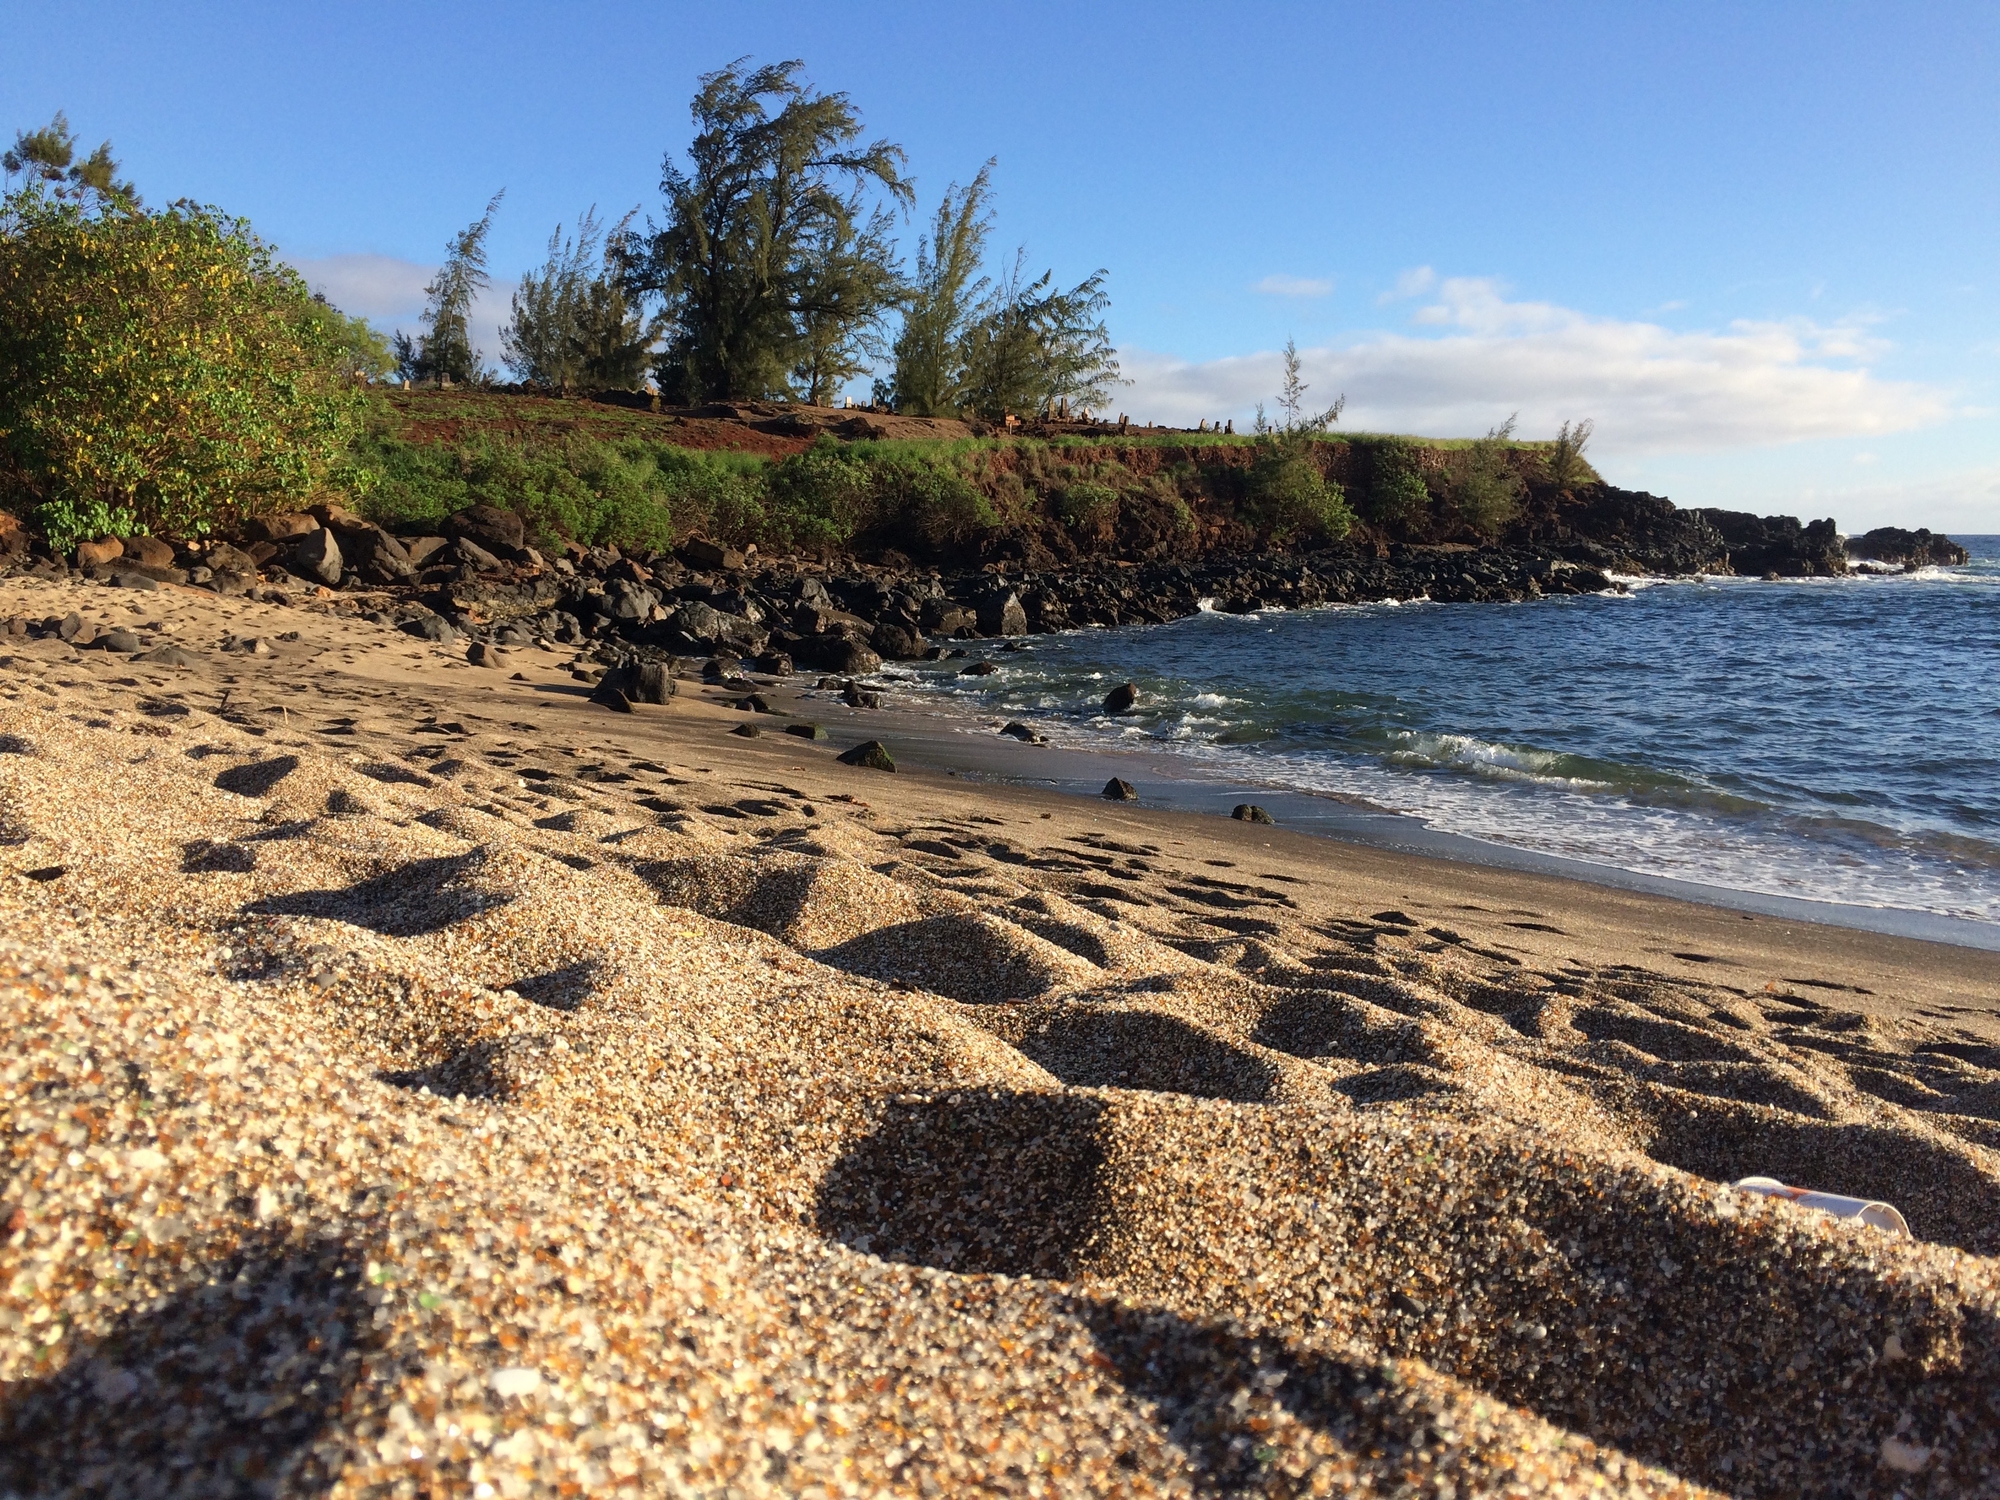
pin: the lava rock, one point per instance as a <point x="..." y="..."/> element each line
<point x="1250" y="812"/>
<point x="501" y="533"/>
<point x="148" y="552"/>
<point x="806" y="731"/>
<point x="836" y="653"/>
<point x="871" y="753"/>
<point x="774" y="664"/>
<point x="699" y="552"/>
<point x="978" y="669"/>
<point x="480" y="654"/>
<point x="126" y="579"/>
<point x="1000" y="613"/>
<point x="98" y="554"/>
<point x="895" y="643"/>
<point x="611" y="698"/>
<point x="432" y="628"/>
<point x="317" y="557"/>
<point x="1024" y="734"/>
<point x="747" y="731"/>
<point x="1119" y="790"/>
<point x="283" y="527"/>
<point x="858" y="697"/>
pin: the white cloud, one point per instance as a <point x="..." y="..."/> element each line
<point x="1293" y="286"/>
<point x="1650" y="390"/>
<point x="389" y="293"/>
<point x="1412" y="283"/>
<point x="1966" y="502"/>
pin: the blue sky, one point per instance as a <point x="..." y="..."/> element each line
<point x="1759" y="244"/>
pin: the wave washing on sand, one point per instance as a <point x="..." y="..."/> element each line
<point x="394" y="1111"/>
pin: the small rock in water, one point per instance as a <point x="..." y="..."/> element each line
<point x="979" y="669"/>
<point x="1118" y="789"/>
<point x="1024" y="734"/>
<point x="870" y="753"/>
<point x="856" y="697"/>
<point x="1120" y="700"/>
<point x="1250" y="812"/>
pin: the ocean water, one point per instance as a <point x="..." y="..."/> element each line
<point x="1835" y="740"/>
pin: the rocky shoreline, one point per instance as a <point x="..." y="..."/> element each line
<point x="481" y="581"/>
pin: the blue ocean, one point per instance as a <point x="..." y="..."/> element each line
<point x="1833" y="740"/>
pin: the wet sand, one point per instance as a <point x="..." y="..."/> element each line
<point x="426" y="1080"/>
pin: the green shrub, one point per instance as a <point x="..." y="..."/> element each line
<point x="1289" y="495"/>
<point x="1395" y="495"/>
<point x="1087" y="505"/>
<point x="1485" y="493"/>
<point x="162" y="372"/>
<point x="820" y="498"/>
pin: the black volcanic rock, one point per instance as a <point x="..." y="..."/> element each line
<point x="1761" y="545"/>
<point x="1922" y="548"/>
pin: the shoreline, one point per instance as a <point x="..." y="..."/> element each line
<point x="963" y="747"/>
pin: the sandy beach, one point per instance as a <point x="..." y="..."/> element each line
<point x="425" y="1080"/>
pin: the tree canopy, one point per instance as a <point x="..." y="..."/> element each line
<point x="443" y="350"/>
<point x="48" y="156"/>
<point x="763" y="253"/>
<point x="572" y="324"/>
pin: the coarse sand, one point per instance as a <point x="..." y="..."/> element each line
<point x="419" y="1081"/>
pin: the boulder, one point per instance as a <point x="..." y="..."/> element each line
<point x="127" y="578"/>
<point x="224" y="558"/>
<point x="375" y="555"/>
<point x="118" y="639"/>
<point x="421" y="549"/>
<point x="317" y="557"/>
<point x="896" y="643"/>
<point x="432" y="628"/>
<point x="482" y="655"/>
<point x="468" y="553"/>
<point x="284" y="527"/>
<point x="699" y="552"/>
<point x="870" y="753"/>
<point x="1000" y="613"/>
<point x="806" y="731"/>
<point x="1122" y="699"/>
<point x="148" y="552"/>
<point x="97" y="554"/>
<point x="1024" y="734"/>
<point x="943" y="617"/>
<point x="748" y="731"/>
<point x="642" y="681"/>
<point x="1119" y="790"/>
<point x="611" y="698"/>
<point x="500" y="532"/>
<point x="1250" y="812"/>
<point x="835" y="653"/>
<point x="978" y="669"/>
<point x="13" y="536"/>
<point x="859" y="697"/>
<point x="774" y="664"/>
<point x="627" y="602"/>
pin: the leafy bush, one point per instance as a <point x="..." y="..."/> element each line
<point x="161" y="372"/>
<point x="1289" y="495"/>
<point x="1567" y="468"/>
<point x="1486" y="492"/>
<point x="1395" y="495"/>
<point x="819" y="498"/>
<point x="1087" y="506"/>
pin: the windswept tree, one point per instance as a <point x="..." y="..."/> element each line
<point x="48" y="157"/>
<point x="572" y="323"/>
<point x="1033" y="347"/>
<point x="762" y="240"/>
<point x="1289" y="489"/>
<point x="847" y="284"/>
<point x="941" y="304"/>
<point x="443" y="350"/>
